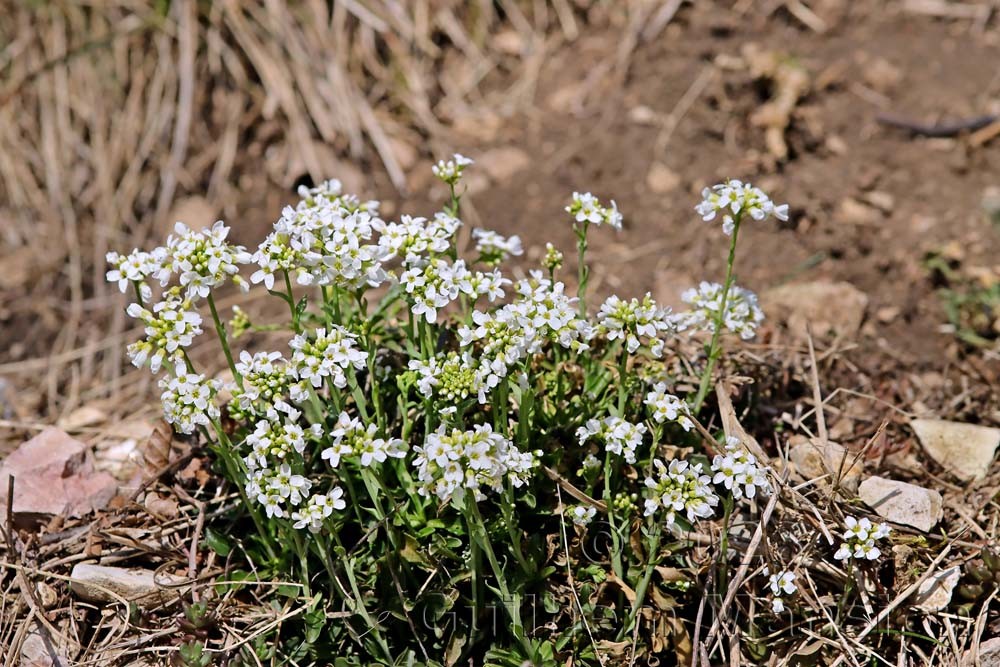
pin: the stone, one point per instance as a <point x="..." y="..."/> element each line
<point x="904" y="503"/>
<point x="54" y="474"/>
<point x="935" y="593"/>
<point x="101" y="583"/>
<point x="662" y="179"/>
<point x="503" y="163"/>
<point x="965" y="450"/>
<point x="38" y="650"/>
<point x="822" y="307"/>
<point x="814" y="458"/>
<point x="988" y="655"/>
<point x="853" y="212"/>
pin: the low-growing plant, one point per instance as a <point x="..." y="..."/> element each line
<point x="455" y="465"/>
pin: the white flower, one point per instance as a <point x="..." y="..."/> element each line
<point x="635" y="323"/>
<point x="351" y="438"/>
<point x="738" y="471"/>
<point x="783" y="583"/>
<point x="170" y="327"/>
<point x="591" y="462"/>
<point x="328" y="353"/>
<point x="860" y="536"/>
<point x="582" y="515"/>
<point x="494" y="248"/>
<point x="202" y="260"/>
<point x="188" y="401"/>
<point x="450" y="171"/>
<point x="667" y="407"/>
<point x="587" y="209"/>
<point x="619" y="436"/>
<point x="135" y="268"/>
<point x="452" y="462"/>
<point x="680" y="488"/>
<point x="317" y="509"/>
<point x="743" y="314"/>
<point x="737" y="197"/>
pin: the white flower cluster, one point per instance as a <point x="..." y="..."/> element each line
<point x="136" y="268"/>
<point x="619" y="436"/>
<point x="588" y="210"/>
<point x="450" y="379"/>
<point x="450" y="171"/>
<point x="733" y="197"/>
<point x="275" y="489"/>
<point x="170" y="328"/>
<point x="582" y="515"/>
<point x="668" y="407"/>
<point x="325" y="242"/>
<point x="738" y="471"/>
<point x="680" y="487"/>
<point x="494" y="248"/>
<point x="317" y="509"/>
<point x="860" y="537"/>
<point x="352" y="439"/>
<point x="509" y="334"/>
<point x="743" y="314"/>
<point x="434" y="284"/>
<point x="188" y="401"/>
<point x="452" y="462"/>
<point x="267" y="377"/>
<point x="202" y="259"/>
<point x="414" y="239"/>
<point x="782" y="584"/>
<point x="636" y="323"/>
<point x="276" y="437"/>
<point x="328" y="353"/>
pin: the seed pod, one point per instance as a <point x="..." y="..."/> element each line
<point x="991" y="559"/>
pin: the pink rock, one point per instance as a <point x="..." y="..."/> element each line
<point x="54" y="474"/>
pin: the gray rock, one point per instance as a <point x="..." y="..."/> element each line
<point x="965" y="450"/>
<point x="38" y="650"/>
<point x="935" y="593"/>
<point x="100" y="583"/>
<point x="904" y="503"/>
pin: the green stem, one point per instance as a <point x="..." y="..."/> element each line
<point x="303" y="555"/>
<point x="616" y="557"/>
<point x="221" y="331"/>
<point x="477" y="529"/>
<point x="583" y="274"/>
<point x="714" y="348"/>
<point x="291" y="303"/>
<point x="359" y="600"/>
<point x="640" y="591"/>
<point x="224" y="451"/>
<point x="622" y="373"/>
<point x="138" y="293"/>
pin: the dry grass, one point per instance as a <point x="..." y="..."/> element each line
<point x="116" y="119"/>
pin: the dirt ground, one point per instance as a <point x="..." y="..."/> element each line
<point x="649" y="122"/>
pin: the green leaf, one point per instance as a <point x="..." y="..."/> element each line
<point x="217" y="543"/>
